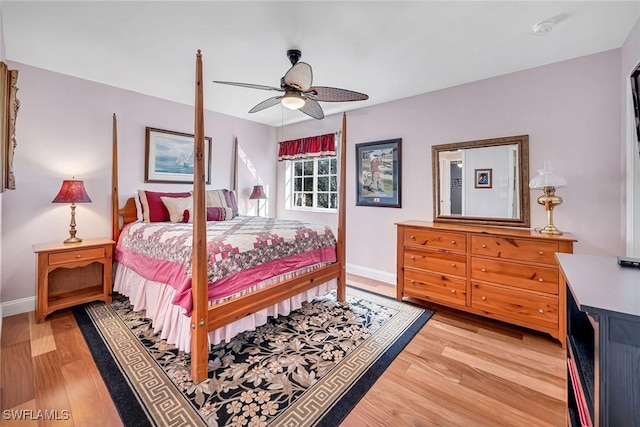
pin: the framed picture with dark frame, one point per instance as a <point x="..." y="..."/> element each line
<point x="483" y="178"/>
<point x="169" y="156"/>
<point x="378" y="169"/>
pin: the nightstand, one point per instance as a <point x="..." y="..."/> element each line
<point x="71" y="274"/>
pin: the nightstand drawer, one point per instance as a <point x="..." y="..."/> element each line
<point x="79" y="255"/>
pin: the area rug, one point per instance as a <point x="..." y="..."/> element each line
<point x="306" y="369"/>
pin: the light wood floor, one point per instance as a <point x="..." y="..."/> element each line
<point x="459" y="370"/>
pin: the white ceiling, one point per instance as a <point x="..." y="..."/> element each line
<point x="389" y="50"/>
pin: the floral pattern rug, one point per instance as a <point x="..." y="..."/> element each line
<point x="291" y="371"/>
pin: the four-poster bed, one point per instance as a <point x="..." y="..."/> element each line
<point x="204" y="315"/>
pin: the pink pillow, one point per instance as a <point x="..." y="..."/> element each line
<point x="153" y="209"/>
<point x="213" y="214"/>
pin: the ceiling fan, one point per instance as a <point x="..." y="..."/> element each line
<point x="298" y="92"/>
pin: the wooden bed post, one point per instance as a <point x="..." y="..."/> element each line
<point x="235" y="165"/>
<point x="342" y="214"/>
<point x="115" y="204"/>
<point x="199" y="336"/>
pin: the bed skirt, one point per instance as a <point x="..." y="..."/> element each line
<point x="174" y="326"/>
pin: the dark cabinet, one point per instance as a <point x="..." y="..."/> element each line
<point x="603" y="341"/>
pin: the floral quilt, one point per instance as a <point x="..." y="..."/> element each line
<point x="241" y="252"/>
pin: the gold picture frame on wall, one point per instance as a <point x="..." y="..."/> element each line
<point x="9" y="105"/>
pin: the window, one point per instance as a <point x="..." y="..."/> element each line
<point x="314" y="183"/>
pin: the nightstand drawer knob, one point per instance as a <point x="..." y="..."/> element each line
<point x="541" y="252"/>
<point x="78" y="256"/>
<point x="453" y="291"/>
<point x="453" y="242"/>
<point x="453" y="264"/>
<point x="413" y="237"/>
<point x="484" y="246"/>
<point x="483" y="298"/>
<point x="541" y="311"/>
<point x="413" y="257"/>
<point x="413" y="281"/>
<point x="484" y="270"/>
<point x="541" y="280"/>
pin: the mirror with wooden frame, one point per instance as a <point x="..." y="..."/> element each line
<point x="482" y="182"/>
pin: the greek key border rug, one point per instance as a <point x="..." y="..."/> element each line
<point x="306" y="369"/>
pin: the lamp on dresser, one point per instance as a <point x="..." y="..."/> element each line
<point x="547" y="181"/>
<point x="258" y="194"/>
<point x="72" y="191"/>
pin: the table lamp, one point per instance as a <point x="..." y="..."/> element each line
<point x="258" y="194"/>
<point x="72" y="191"/>
<point x="548" y="181"/>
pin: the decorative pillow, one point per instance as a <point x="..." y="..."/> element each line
<point x="216" y="199"/>
<point x="153" y="210"/>
<point x="177" y="206"/>
<point x="230" y="198"/>
<point x="136" y="199"/>
<point x="213" y="214"/>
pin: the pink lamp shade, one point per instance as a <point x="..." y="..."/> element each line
<point x="72" y="191"/>
<point x="257" y="193"/>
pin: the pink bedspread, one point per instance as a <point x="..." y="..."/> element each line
<point x="241" y="252"/>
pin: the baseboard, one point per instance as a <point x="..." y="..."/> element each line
<point x="23" y="305"/>
<point x="371" y="273"/>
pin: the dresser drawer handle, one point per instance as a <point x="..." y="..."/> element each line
<point x="541" y="311"/>
<point x="413" y="257"/>
<point x="541" y="280"/>
<point x="453" y="264"/>
<point x="484" y="246"/>
<point x="484" y="270"/>
<point x="453" y="291"/>
<point x="413" y="237"/>
<point x="541" y="252"/>
<point x="453" y="242"/>
<point x="78" y="256"/>
<point x="413" y="281"/>
<point x="483" y="298"/>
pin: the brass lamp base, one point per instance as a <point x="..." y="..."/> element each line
<point x="73" y="239"/>
<point x="72" y="230"/>
<point x="550" y="229"/>
<point x="549" y="200"/>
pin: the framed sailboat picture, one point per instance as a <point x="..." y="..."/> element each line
<point x="169" y="156"/>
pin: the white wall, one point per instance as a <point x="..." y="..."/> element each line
<point x="631" y="158"/>
<point x="2" y="58"/>
<point x="64" y="129"/>
<point x="572" y="113"/>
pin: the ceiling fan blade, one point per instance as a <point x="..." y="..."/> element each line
<point x="299" y="76"/>
<point x="313" y="109"/>
<point x="250" y="86"/>
<point x="266" y="104"/>
<point x="334" y="94"/>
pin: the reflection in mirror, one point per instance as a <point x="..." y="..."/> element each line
<point x="482" y="182"/>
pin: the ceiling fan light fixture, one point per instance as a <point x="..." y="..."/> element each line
<point x="292" y="100"/>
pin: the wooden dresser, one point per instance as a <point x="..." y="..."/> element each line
<point x="503" y="273"/>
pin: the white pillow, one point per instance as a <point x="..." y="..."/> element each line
<point x="176" y="206"/>
<point x="215" y="199"/>
<point x="136" y="198"/>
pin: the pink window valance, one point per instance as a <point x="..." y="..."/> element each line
<point x="313" y="146"/>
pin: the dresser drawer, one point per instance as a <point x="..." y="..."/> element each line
<point x="525" y="276"/>
<point x="514" y="249"/>
<point x="523" y="306"/>
<point x="435" y="287"/>
<point x="435" y="239"/>
<point x="79" y="255"/>
<point x="438" y="262"/>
